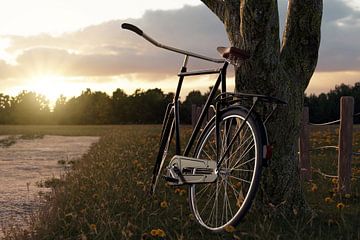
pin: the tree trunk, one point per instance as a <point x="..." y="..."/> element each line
<point x="279" y="70"/>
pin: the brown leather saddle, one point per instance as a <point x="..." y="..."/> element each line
<point x="233" y="54"/>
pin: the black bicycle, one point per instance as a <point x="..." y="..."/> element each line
<point x="222" y="161"/>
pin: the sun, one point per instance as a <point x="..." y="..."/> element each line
<point x="51" y="86"/>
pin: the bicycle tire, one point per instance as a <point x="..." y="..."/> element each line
<point x="166" y="137"/>
<point x="238" y="176"/>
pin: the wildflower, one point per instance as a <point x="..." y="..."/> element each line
<point x="229" y="228"/>
<point x="161" y="233"/>
<point x="240" y="201"/>
<point x="93" y="227"/>
<point x="347" y="195"/>
<point x="154" y="232"/>
<point x="158" y="233"/>
<point x="314" y="187"/>
<point x="334" y="180"/>
<point x="328" y="200"/>
<point x="177" y="190"/>
<point x="182" y="192"/>
<point x="340" y="205"/>
<point x="164" y="204"/>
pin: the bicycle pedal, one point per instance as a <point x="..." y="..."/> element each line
<point x="171" y="179"/>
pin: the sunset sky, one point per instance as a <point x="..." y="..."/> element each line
<point x="63" y="47"/>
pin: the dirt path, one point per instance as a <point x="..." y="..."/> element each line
<point x="27" y="162"/>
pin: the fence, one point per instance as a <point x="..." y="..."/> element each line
<point x="344" y="147"/>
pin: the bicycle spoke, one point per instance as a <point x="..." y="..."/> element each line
<point x="245" y="152"/>
<point x="240" y="179"/>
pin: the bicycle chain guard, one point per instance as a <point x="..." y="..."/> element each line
<point x="186" y="170"/>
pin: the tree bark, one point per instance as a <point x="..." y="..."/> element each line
<point x="279" y="70"/>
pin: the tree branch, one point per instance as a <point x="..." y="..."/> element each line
<point x="301" y="38"/>
<point x="217" y="7"/>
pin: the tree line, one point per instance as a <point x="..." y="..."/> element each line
<point x="94" y="107"/>
<point x="141" y="107"/>
<point x="326" y="106"/>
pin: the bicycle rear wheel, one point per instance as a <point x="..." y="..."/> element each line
<point x="227" y="200"/>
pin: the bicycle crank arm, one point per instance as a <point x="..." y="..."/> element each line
<point x="186" y="170"/>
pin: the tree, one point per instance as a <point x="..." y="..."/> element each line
<point x="4" y="109"/>
<point x="194" y="97"/>
<point x="29" y="108"/>
<point x="277" y="68"/>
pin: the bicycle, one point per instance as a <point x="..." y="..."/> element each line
<point x="223" y="171"/>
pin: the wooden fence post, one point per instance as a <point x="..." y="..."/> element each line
<point x="304" y="141"/>
<point x="345" y="144"/>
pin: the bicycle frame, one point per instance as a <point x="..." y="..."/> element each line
<point x="175" y="104"/>
<point x="173" y="108"/>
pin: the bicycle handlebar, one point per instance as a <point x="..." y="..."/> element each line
<point x="140" y="32"/>
<point x="133" y="28"/>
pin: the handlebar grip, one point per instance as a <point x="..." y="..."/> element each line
<point x="133" y="28"/>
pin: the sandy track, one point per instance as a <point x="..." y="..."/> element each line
<point x="27" y="162"/>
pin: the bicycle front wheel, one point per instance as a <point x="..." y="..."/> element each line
<point x="226" y="201"/>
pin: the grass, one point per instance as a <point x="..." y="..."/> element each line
<point x="105" y="197"/>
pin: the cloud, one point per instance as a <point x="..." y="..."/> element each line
<point x="107" y="50"/>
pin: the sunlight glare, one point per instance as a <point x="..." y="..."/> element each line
<point x="51" y="86"/>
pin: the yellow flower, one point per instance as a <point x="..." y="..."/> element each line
<point x="164" y="204"/>
<point x="161" y="233"/>
<point x="158" y="233"/>
<point x="182" y="192"/>
<point x="334" y="180"/>
<point x="328" y="200"/>
<point x="177" y="190"/>
<point x="340" y="205"/>
<point x="347" y="195"/>
<point x="229" y="228"/>
<point x="314" y="187"/>
<point x="93" y="227"/>
<point x="154" y="232"/>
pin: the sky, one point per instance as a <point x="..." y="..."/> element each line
<point x="63" y="47"/>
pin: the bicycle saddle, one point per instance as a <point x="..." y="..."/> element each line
<point x="233" y="54"/>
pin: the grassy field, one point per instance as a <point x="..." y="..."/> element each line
<point x="105" y="196"/>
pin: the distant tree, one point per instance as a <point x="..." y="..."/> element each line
<point x="120" y="105"/>
<point x="88" y="108"/>
<point x="325" y="107"/>
<point x="59" y="112"/>
<point x="29" y="108"/>
<point x="4" y="109"/>
<point x="194" y="97"/>
<point x="148" y="106"/>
